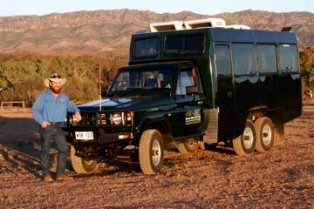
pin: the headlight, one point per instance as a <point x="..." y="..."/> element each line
<point x="116" y="118"/>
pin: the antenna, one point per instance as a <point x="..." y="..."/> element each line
<point x="99" y="85"/>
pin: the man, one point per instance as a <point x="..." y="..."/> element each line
<point x="49" y="110"/>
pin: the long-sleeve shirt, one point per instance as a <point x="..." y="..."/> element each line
<point x="51" y="109"/>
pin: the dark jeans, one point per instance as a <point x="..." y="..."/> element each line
<point x="47" y="135"/>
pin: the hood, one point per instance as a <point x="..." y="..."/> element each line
<point x="124" y="103"/>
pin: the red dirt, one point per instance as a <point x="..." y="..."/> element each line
<point x="280" y="178"/>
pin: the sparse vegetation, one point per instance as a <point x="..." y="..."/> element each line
<point x="307" y="66"/>
<point x="22" y="73"/>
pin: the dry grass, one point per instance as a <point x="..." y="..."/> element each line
<point x="280" y="178"/>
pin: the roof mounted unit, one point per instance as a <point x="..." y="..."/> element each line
<point x="190" y="24"/>
<point x="164" y="26"/>
<point x="202" y="23"/>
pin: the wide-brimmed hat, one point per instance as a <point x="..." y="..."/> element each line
<point x="55" y="78"/>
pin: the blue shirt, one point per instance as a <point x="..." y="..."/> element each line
<point x="51" y="109"/>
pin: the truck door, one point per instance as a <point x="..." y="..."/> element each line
<point x="225" y="93"/>
<point x="189" y="99"/>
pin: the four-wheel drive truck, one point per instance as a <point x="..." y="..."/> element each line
<point x="191" y="89"/>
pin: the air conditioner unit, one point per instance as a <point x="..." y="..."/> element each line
<point x="202" y="23"/>
<point x="164" y="26"/>
<point x="190" y="24"/>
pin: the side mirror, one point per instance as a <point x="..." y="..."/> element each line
<point x="191" y="90"/>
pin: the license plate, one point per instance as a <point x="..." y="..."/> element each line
<point x="86" y="135"/>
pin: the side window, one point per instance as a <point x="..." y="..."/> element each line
<point x="187" y="77"/>
<point x="185" y="44"/>
<point x="267" y="62"/>
<point x="244" y="59"/>
<point x="222" y="60"/>
<point x="146" y="47"/>
<point x="122" y="82"/>
<point x="288" y="58"/>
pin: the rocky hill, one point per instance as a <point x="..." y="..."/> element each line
<point x="111" y="29"/>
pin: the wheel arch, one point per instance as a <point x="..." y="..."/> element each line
<point x="162" y="125"/>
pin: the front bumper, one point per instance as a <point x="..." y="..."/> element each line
<point x="100" y="136"/>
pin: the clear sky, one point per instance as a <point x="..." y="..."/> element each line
<point x="204" y="7"/>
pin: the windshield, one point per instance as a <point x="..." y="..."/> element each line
<point x="142" y="79"/>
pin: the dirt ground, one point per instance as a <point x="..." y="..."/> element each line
<point x="280" y="178"/>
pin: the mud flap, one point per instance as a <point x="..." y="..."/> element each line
<point x="210" y="126"/>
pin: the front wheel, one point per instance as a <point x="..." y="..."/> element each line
<point x="80" y="165"/>
<point x="244" y="145"/>
<point x="151" y="152"/>
<point x="264" y="134"/>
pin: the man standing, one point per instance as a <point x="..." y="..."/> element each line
<point x="49" y="110"/>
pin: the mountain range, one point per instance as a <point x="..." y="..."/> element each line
<point x="103" y="30"/>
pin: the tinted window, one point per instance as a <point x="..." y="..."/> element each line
<point x="244" y="59"/>
<point x="222" y="60"/>
<point x="267" y="59"/>
<point x="185" y="44"/>
<point x="288" y="58"/>
<point x="146" y="47"/>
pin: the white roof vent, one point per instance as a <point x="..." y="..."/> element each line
<point x="203" y="23"/>
<point x="164" y="26"/>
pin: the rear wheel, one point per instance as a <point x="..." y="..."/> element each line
<point x="188" y="147"/>
<point x="80" y="165"/>
<point x="264" y="134"/>
<point x="244" y="145"/>
<point x="151" y="152"/>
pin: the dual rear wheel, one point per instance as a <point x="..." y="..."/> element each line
<point x="256" y="136"/>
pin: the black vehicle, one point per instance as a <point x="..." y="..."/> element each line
<point x="189" y="89"/>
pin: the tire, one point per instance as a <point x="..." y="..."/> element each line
<point x="188" y="147"/>
<point x="80" y="165"/>
<point x="245" y="144"/>
<point x="264" y="134"/>
<point x="151" y="152"/>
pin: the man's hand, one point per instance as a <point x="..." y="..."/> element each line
<point x="78" y="116"/>
<point x="45" y="124"/>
